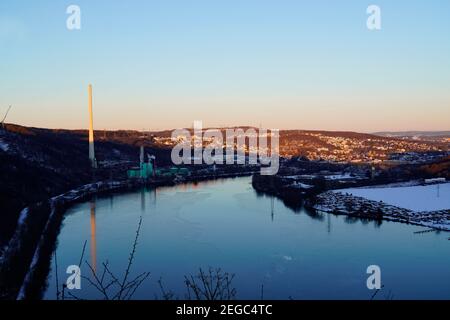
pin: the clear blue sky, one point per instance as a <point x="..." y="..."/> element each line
<point x="282" y="64"/>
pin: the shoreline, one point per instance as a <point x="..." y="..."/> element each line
<point x="338" y="203"/>
<point x="333" y="201"/>
<point x="35" y="251"/>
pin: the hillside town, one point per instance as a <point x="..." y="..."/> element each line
<point x="342" y="147"/>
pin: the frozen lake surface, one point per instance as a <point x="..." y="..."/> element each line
<point x="416" y="198"/>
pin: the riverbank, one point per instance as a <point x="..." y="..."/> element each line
<point x="344" y="204"/>
<point x="322" y="197"/>
<point x="33" y="242"/>
<point x="34" y="237"/>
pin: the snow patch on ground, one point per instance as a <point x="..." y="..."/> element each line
<point x="302" y="185"/>
<point x="3" y="145"/>
<point x="23" y="215"/>
<point x="416" y="198"/>
<point x="344" y="176"/>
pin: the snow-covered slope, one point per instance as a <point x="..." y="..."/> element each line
<point x="415" y="198"/>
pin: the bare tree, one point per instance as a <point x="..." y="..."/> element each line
<point x="108" y="284"/>
<point x="212" y="285"/>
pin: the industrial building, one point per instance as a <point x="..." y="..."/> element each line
<point x="147" y="169"/>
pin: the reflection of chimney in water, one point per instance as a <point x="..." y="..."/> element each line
<point x="272" y="205"/>
<point x="143" y="200"/>
<point x="329" y="223"/>
<point x="93" y="238"/>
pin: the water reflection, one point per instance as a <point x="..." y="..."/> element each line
<point x="143" y="192"/>
<point x="153" y="196"/>
<point x="293" y="253"/>
<point x="93" y="243"/>
<point x="272" y="207"/>
<point x="329" y="223"/>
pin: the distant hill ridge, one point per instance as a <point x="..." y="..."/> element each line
<point x="413" y="133"/>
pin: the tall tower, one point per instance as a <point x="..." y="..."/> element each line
<point x="142" y="164"/>
<point x="91" y="131"/>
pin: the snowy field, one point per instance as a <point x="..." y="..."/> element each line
<point x="417" y="198"/>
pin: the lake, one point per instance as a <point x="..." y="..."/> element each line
<point x="226" y="224"/>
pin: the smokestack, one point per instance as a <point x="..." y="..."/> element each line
<point x="141" y="164"/>
<point x="141" y="156"/>
<point x="91" y="131"/>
